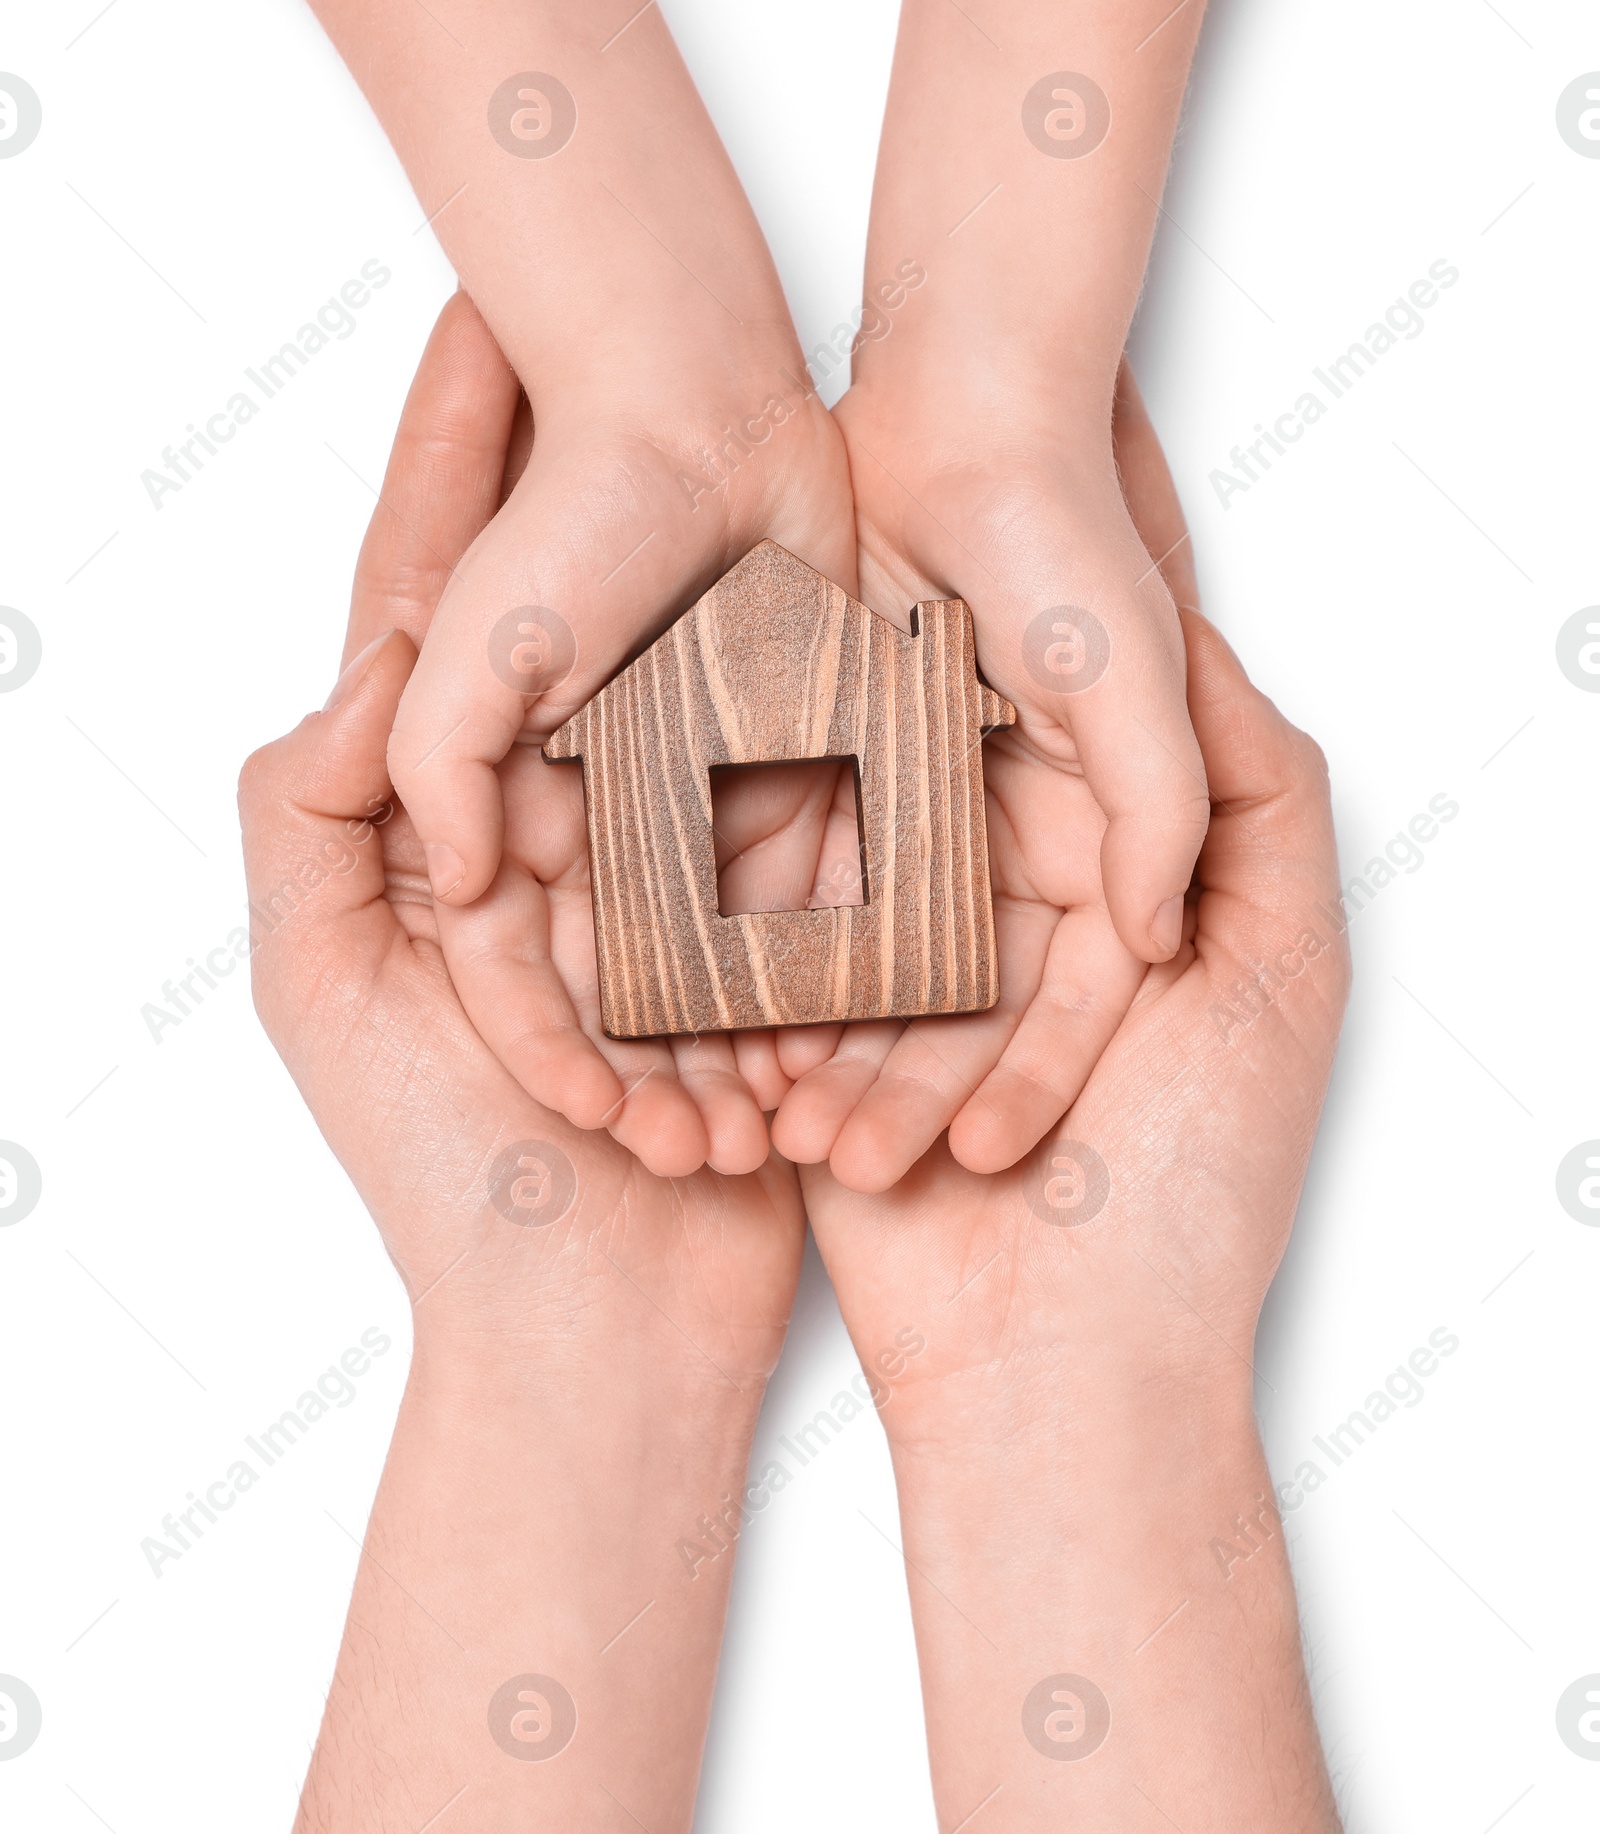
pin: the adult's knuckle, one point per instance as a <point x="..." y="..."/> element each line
<point x="1312" y="758"/>
<point x="258" y="779"/>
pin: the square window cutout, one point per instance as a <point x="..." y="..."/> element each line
<point x="755" y="809"/>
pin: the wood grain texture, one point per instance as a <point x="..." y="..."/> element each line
<point x="776" y="663"/>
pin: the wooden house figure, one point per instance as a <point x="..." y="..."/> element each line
<point x="776" y="663"/>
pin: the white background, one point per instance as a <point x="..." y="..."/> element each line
<point x="1397" y="583"/>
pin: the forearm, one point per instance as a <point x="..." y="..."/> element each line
<point x="586" y="215"/>
<point x="527" y="1526"/>
<point x="1031" y="203"/>
<point x="1081" y="1538"/>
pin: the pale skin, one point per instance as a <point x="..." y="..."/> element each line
<point x="1076" y="1431"/>
<point x="639" y="309"/>
<point x="640" y="313"/>
<point x="583" y="1389"/>
<point x="1132" y="1381"/>
<point x="1083" y="1431"/>
<point x="980" y="429"/>
<point x="980" y="435"/>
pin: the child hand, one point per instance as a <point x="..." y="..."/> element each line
<point x="998" y="1081"/>
<point x="522" y="959"/>
<point x="672" y="429"/>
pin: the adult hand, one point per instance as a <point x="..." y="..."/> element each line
<point x="1078" y="1435"/>
<point x="591" y="1341"/>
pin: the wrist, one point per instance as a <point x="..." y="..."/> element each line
<point x="636" y="361"/>
<point x="1108" y="1415"/>
<point x="972" y="380"/>
<point x="523" y="1554"/>
<point x="1116" y="1576"/>
<point x="480" y="1378"/>
<point x="1106" y="1509"/>
<point x="986" y="441"/>
<point x="724" y="457"/>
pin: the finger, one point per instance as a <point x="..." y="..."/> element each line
<point x="1149" y="492"/>
<point x="443" y="479"/>
<point x="755" y="1055"/>
<point x="518" y="450"/>
<point x="769" y="824"/>
<point x="803" y="1048"/>
<point x="840" y="878"/>
<point x="935" y="1065"/>
<point x="736" y="1130"/>
<point x="924" y="1081"/>
<point x="499" y="954"/>
<point x="1102" y="665"/>
<point x="1088" y="983"/>
<point x="313" y="861"/>
<point x="1270" y="854"/>
<point x="1139" y="757"/>
<point x="937" y="1069"/>
<point x="658" y="1121"/>
<point x="522" y="959"/>
<point x="1156" y="829"/>
<point x="541" y="611"/>
<point x="810" y="1116"/>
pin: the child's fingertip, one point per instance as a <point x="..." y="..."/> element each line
<point x="1166" y="929"/>
<point x="354" y="672"/>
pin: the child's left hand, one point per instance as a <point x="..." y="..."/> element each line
<point x="873" y="1101"/>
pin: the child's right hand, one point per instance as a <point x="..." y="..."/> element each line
<point x="599" y="227"/>
<point x="522" y="960"/>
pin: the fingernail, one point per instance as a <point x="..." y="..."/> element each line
<point x="446" y="869"/>
<point x="350" y="680"/>
<point x="1167" y="930"/>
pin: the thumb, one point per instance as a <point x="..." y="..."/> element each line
<point x="1269" y="857"/>
<point x="311" y="808"/>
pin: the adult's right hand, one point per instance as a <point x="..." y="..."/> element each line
<point x="1077" y="1440"/>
